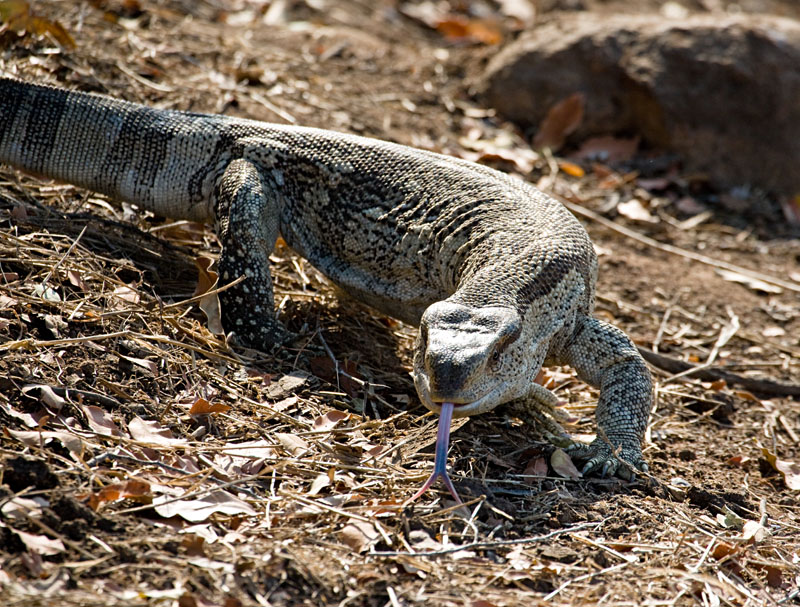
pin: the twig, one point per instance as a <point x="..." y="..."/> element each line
<point x="763" y="386"/>
<point x="525" y="540"/>
<point x="668" y="248"/>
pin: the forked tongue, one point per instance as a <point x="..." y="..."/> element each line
<point x="440" y="460"/>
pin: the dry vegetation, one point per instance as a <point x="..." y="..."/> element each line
<point x="146" y="462"/>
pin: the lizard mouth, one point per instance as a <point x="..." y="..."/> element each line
<point x="463" y="409"/>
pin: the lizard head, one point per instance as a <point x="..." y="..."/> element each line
<point x="476" y="358"/>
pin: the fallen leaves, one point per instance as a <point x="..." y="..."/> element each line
<point x="561" y="120"/>
<point x="16" y="16"/>
<point x="201" y="508"/>
<point x="563" y="466"/>
<point x="790" y="471"/>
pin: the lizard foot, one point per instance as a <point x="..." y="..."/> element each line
<point x="623" y="462"/>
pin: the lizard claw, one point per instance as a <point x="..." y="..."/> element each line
<point x="600" y="456"/>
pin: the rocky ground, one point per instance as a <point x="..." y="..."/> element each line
<point x="146" y="462"/>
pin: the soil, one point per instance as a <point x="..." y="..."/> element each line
<point x="115" y="400"/>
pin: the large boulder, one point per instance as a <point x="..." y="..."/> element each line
<point x="724" y="92"/>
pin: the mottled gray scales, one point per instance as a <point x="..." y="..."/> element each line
<point x="499" y="276"/>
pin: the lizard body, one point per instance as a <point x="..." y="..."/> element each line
<point x="499" y="276"/>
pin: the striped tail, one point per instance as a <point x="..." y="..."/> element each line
<point x="161" y="160"/>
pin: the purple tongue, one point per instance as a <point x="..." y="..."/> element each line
<point x="440" y="461"/>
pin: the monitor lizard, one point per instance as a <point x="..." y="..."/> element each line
<point x="499" y="277"/>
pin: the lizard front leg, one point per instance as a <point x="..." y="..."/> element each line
<point x="247" y="224"/>
<point x="605" y="357"/>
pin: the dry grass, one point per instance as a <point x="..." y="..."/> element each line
<point x="147" y="462"/>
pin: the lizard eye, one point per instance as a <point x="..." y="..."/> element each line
<point x="496" y="355"/>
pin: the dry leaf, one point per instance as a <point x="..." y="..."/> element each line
<point x="29" y="419"/>
<point x="738" y="461"/>
<point x="522" y="10"/>
<point x="293" y="444"/>
<point x="196" y="510"/>
<point x="39" y="544"/>
<point x="789" y="470"/>
<point x="33" y="438"/>
<point x="536" y="467"/>
<point x="562" y="119"/>
<point x="134" y="489"/>
<point x="571" y="169"/>
<point x="755" y="531"/>
<point x="319" y="483"/>
<point x="21" y="508"/>
<point x="791" y="210"/>
<point x="634" y="209"/>
<point x="561" y="463"/>
<point x="457" y="28"/>
<point x="153" y="433"/>
<point x="17" y="16"/>
<point x="100" y="421"/>
<point x="359" y="535"/>
<point x="126" y="293"/>
<point x="329" y="420"/>
<point x="142" y="363"/>
<point x="46" y="395"/>
<point x="287" y="384"/>
<point x="202" y="407"/>
<point x="209" y="304"/>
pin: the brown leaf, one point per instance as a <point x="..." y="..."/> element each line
<point x="197" y="510"/>
<point x="46" y="395"/>
<point x="100" y="421"/>
<point x="142" y="363"/>
<point x="152" y="432"/>
<point x="789" y="470"/>
<point x="33" y="438"/>
<point x="293" y="444"/>
<point x="209" y="303"/>
<point x="76" y="280"/>
<point x="791" y="210"/>
<point x="329" y="420"/>
<point x="635" y="210"/>
<point x="202" y="407"/>
<point x="536" y="467"/>
<point x="749" y="281"/>
<point x="717" y="385"/>
<point x="126" y="293"/>
<point x="134" y="489"/>
<point x="738" y="461"/>
<point x="17" y="15"/>
<point x="457" y="28"/>
<point x="319" y="483"/>
<point x="40" y="544"/>
<point x="562" y="119"/>
<point x="571" y="169"/>
<point x="563" y="466"/>
<point x="359" y="535"/>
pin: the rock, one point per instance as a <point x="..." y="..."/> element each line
<point x="723" y="92"/>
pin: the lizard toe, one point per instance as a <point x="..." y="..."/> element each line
<point x="605" y="462"/>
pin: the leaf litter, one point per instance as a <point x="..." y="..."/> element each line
<point x="130" y="426"/>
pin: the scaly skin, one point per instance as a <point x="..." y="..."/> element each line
<point x="499" y="276"/>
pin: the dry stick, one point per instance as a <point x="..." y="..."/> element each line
<point x="763" y="386"/>
<point x="677" y="366"/>
<point x="490" y="544"/>
<point x="668" y="248"/>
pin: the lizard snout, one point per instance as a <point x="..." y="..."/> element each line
<point x="458" y="349"/>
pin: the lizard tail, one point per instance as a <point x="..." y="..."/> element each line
<point x="161" y="160"/>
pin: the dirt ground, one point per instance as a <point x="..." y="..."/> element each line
<point x="146" y="462"/>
